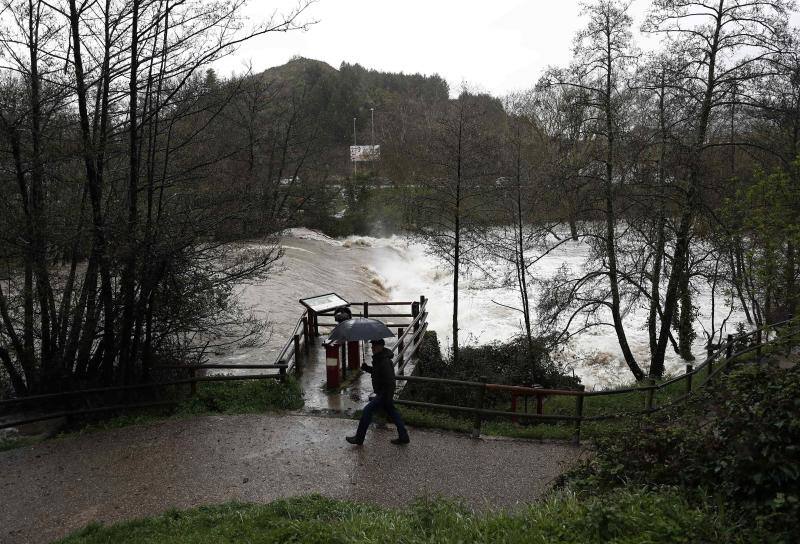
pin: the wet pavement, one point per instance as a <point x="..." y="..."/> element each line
<point x="355" y="388"/>
<point x="53" y="488"/>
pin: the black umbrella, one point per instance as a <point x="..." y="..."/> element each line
<point x="359" y="328"/>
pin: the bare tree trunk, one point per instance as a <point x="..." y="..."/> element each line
<point x="106" y="350"/>
<point x="127" y="353"/>
<point x="457" y="234"/>
<point x="686" y="332"/>
<point x="611" y="221"/>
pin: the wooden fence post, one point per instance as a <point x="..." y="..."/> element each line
<point x="650" y="394"/>
<point x="729" y="347"/>
<point x="579" y="413"/>
<point x="297" y="355"/>
<point x="710" y="367"/>
<point x="366" y="309"/>
<point x="689" y="370"/>
<point x="476" y="427"/>
<point x="758" y="346"/>
<point x="400" y="346"/>
<point x="193" y="385"/>
<point x="415" y="314"/>
<point x="305" y="334"/>
<point x="282" y="372"/>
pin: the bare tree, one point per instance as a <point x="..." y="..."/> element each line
<point x="604" y="52"/>
<point x="143" y="274"/>
<point x="462" y="159"/>
<point x="725" y="40"/>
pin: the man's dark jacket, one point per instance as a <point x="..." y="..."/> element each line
<point x="382" y="371"/>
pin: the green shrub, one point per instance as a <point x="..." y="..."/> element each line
<point x="243" y="397"/>
<point x="738" y="441"/>
<point x="506" y="363"/>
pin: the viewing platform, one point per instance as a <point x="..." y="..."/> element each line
<point x="312" y="363"/>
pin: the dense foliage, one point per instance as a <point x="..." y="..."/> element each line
<point x="509" y="363"/>
<point x="736" y="445"/>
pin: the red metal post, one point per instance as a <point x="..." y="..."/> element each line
<point x="332" y="365"/>
<point x="353" y="355"/>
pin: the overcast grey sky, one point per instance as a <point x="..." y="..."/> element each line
<point x="497" y="45"/>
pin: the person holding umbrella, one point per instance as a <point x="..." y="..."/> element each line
<point x="383" y="383"/>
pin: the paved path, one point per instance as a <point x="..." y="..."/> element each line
<point x="52" y="488"/>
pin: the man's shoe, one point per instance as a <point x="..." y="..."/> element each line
<point x="398" y="441"/>
<point x="354" y="440"/>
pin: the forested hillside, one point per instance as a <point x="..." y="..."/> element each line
<point x="127" y="165"/>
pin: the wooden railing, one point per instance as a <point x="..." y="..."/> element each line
<point x="288" y="360"/>
<point x="409" y="335"/>
<point x="298" y="345"/>
<point x="192" y="381"/>
<point x="721" y="357"/>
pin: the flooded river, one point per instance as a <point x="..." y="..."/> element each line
<point x="375" y="269"/>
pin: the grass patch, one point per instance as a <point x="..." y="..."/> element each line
<point x="626" y="516"/>
<point x="18" y="442"/>
<point x="245" y="397"/>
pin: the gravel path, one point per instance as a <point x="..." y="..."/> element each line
<point x="53" y="488"/>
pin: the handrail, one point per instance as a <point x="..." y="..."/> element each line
<point x="85" y="411"/>
<point x="283" y="355"/>
<point x="649" y="390"/>
<point x="215" y="366"/>
<point x="150" y="385"/>
<point x="422" y="314"/>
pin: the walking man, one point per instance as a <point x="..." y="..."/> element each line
<point x="383" y="383"/>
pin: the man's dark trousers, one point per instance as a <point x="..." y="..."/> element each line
<point x="387" y="405"/>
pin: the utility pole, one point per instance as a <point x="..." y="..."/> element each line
<point x="372" y="141"/>
<point x="355" y="163"/>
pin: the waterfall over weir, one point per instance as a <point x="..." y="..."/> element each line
<point x="381" y="269"/>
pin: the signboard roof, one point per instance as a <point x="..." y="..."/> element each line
<point x="364" y="153"/>
<point x="322" y="303"/>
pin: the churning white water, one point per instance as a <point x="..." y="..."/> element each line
<point x="368" y="268"/>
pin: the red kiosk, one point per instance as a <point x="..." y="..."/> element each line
<point x="334" y="353"/>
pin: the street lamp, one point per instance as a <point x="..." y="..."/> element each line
<point x="372" y="115"/>
<point x="355" y="162"/>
